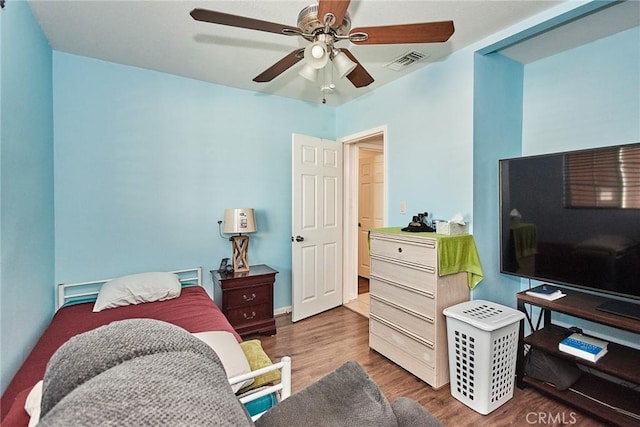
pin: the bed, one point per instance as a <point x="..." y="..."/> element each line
<point x="192" y="310"/>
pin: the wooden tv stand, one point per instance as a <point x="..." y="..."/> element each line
<point x="620" y="362"/>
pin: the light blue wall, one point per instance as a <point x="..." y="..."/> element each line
<point x="430" y="135"/>
<point x="498" y="95"/>
<point x="26" y="186"/>
<point x="146" y="163"/>
<point x="586" y="97"/>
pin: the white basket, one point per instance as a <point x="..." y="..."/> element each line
<point x="482" y="344"/>
<point x="451" y="228"/>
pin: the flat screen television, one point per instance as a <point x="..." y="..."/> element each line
<point x="573" y="219"/>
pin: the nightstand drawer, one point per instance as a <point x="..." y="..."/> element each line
<point x="248" y="297"/>
<point x="238" y="316"/>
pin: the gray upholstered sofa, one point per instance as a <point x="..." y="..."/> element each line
<point x="142" y="372"/>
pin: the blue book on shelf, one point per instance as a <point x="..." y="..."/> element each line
<point x="583" y="346"/>
<point x="545" y="289"/>
<point x="548" y="292"/>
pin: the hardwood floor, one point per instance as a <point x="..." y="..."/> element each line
<point x="322" y="343"/>
<point x="363" y="285"/>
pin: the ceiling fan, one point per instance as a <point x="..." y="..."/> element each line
<point x="324" y="24"/>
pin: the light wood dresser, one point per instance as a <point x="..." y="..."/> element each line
<point x="407" y="296"/>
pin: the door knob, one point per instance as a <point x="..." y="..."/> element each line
<point x="299" y="239"/>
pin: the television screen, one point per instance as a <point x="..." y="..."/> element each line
<point x="573" y="218"/>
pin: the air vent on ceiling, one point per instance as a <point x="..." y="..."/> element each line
<point x="406" y="60"/>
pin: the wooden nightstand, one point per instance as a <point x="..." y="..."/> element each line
<point x="247" y="299"/>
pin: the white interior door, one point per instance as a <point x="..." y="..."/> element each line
<point x="378" y="190"/>
<point x="316" y="226"/>
<point x="370" y="202"/>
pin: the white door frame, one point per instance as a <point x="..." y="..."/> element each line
<point x="350" y="206"/>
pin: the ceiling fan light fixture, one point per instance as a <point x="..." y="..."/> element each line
<point x="342" y="64"/>
<point x="317" y="51"/>
<point x="315" y="55"/>
<point x="309" y="73"/>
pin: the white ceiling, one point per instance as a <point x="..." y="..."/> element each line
<point x="161" y="35"/>
<point x="594" y="26"/>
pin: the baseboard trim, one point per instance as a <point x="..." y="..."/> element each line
<point x="282" y="311"/>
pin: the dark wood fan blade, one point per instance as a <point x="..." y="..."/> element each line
<point x="214" y="17"/>
<point x="337" y="7"/>
<point x="359" y="76"/>
<point x="280" y="67"/>
<point x="427" y="32"/>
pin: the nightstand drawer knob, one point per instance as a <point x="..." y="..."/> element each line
<point x="251" y="298"/>
<point x="253" y="314"/>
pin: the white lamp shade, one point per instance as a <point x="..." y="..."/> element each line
<point x="240" y="220"/>
<point x="309" y="73"/>
<point x="343" y="64"/>
<point x="316" y="55"/>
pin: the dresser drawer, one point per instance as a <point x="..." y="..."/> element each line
<point x="238" y="316"/>
<point x="413" y="276"/>
<point x="413" y="322"/>
<point x="248" y="296"/>
<point x="405" y="249"/>
<point x="413" y="355"/>
<point x="398" y="294"/>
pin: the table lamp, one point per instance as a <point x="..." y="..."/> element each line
<point x="239" y="221"/>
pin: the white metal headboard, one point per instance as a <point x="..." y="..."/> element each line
<point x="89" y="290"/>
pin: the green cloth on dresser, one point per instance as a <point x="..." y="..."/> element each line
<point x="459" y="253"/>
<point x="455" y="254"/>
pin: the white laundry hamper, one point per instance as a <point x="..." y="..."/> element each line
<point x="482" y="339"/>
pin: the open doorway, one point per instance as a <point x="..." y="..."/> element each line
<point x="365" y="207"/>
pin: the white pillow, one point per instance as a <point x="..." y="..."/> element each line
<point x="136" y="289"/>
<point x="230" y="353"/>
<point x="32" y="404"/>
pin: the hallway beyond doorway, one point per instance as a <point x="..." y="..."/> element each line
<point x="360" y="305"/>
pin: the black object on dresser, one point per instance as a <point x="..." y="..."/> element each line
<point x="602" y="398"/>
<point x="247" y="299"/>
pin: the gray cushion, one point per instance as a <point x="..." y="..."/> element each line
<point x="410" y="413"/>
<point x="161" y="395"/>
<point x="345" y="397"/>
<point x="138" y="372"/>
<point x="89" y="354"/>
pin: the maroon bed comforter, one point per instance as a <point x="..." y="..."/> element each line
<point x="193" y="310"/>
